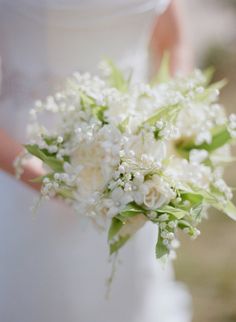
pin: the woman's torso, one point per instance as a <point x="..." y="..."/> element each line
<point x="42" y="42"/>
<point x="54" y="267"/>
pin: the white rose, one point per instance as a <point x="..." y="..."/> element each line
<point x="98" y="159"/>
<point x="157" y="193"/>
<point x="91" y="180"/>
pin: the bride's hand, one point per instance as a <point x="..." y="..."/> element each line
<point x="32" y="169"/>
<point x="9" y="150"/>
<point x="170" y="34"/>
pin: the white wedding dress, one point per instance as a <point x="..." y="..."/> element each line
<point x="53" y="266"/>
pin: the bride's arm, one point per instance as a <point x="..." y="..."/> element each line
<point x="9" y="150"/>
<point x="170" y="34"/>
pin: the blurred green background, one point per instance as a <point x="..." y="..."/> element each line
<point x="208" y="264"/>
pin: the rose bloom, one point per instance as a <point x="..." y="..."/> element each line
<point x="98" y="159"/>
<point x="157" y="193"/>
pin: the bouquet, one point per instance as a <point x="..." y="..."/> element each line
<point x="125" y="153"/>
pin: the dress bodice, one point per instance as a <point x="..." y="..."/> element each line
<point x="44" y="41"/>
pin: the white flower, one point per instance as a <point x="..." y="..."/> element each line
<point x="117" y="201"/>
<point x="97" y="156"/>
<point x="198" y="156"/>
<point x="182" y="171"/>
<point x="145" y="144"/>
<point x="138" y="190"/>
<point x="156" y="193"/>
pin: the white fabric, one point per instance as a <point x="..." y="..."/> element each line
<point x="53" y="266"/>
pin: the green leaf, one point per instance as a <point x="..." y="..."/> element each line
<point x="50" y="140"/>
<point x="123" y="218"/>
<point x="182" y="224"/>
<point x="98" y="112"/>
<point x="85" y="99"/>
<point x="115" y="246"/>
<point x="176" y="212"/>
<point x="115" y="227"/>
<point x="163" y="74"/>
<point x="161" y="249"/>
<point x="65" y="193"/>
<point x="166" y="113"/>
<point x="220" y="137"/>
<point x="131" y="210"/>
<point x="196" y="212"/>
<point x="49" y="160"/>
<point x="123" y="125"/>
<point x="212" y="199"/>
<point x="196" y="204"/>
<point x="230" y="210"/>
<point x="40" y="178"/>
<point x="210" y="89"/>
<point x="192" y="197"/>
<point x="117" y="78"/>
<point x="218" y="85"/>
<point x="209" y="73"/>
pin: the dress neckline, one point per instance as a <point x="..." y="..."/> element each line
<point x="82" y="17"/>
